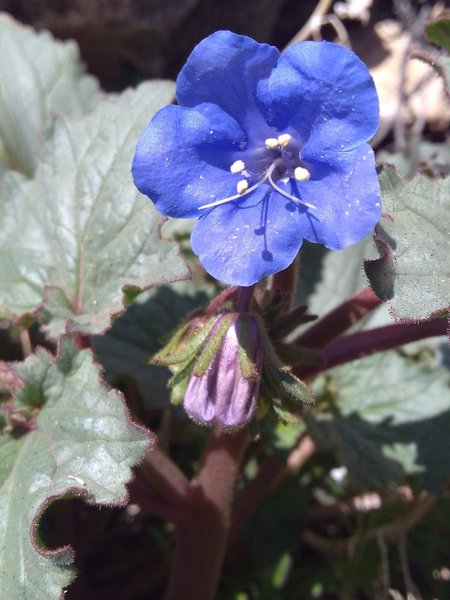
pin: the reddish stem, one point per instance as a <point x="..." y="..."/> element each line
<point x="285" y="282"/>
<point x="228" y="294"/>
<point x="163" y="475"/>
<point x="245" y="298"/>
<point x="269" y="476"/>
<point x="82" y="340"/>
<point x="202" y="537"/>
<point x="339" y="320"/>
<point x="363" y="343"/>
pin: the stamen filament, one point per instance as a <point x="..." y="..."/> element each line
<point x="267" y="176"/>
<point x="283" y="193"/>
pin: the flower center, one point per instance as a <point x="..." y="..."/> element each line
<point x="280" y="159"/>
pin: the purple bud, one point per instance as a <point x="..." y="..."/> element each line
<point x="222" y="396"/>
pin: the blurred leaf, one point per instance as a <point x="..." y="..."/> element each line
<point x="79" y="233"/>
<point x="392" y="419"/>
<point x="83" y="444"/>
<point x="414" y="242"/>
<point x="141" y="331"/>
<point x="41" y="77"/>
<point x="438" y="32"/>
<point x="424" y="157"/>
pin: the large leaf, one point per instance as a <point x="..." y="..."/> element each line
<point x="40" y="77"/>
<point x="414" y="242"/>
<point x="140" y="332"/>
<point x="79" y="233"/>
<point x="392" y="418"/>
<point x="83" y="443"/>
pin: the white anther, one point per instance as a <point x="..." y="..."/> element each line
<point x="271" y="143"/>
<point x="242" y="186"/>
<point x="301" y="174"/>
<point x="284" y="139"/>
<point x="238" y="166"/>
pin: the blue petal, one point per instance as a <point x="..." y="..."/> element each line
<point x="183" y="158"/>
<point x="241" y="242"/>
<point x="225" y="69"/>
<point x="326" y="94"/>
<point x="344" y="187"/>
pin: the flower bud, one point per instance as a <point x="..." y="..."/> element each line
<point x="224" y="394"/>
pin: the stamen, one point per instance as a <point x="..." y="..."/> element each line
<point x="301" y="174"/>
<point x="271" y="143"/>
<point x="284" y="139"/>
<point x="242" y="186"/>
<point x="283" y="193"/>
<point x="269" y="172"/>
<point x="238" y="166"/>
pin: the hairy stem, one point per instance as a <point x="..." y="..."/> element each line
<point x="165" y="477"/>
<point x="284" y="282"/>
<point x="339" y="320"/>
<point x="203" y="535"/>
<point x="363" y="343"/>
<point x="245" y="298"/>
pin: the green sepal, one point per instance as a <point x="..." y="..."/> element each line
<point x="180" y="380"/>
<point x="213" y="344"/>
<point x="246" y="348"/>
<point x="285" y="392"/>
<point x="294" y="387"/>
<point x="273" y="395"/>
<point x="183" y="345"/>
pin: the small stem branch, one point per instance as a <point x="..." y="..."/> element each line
<point x="165" y="477"/>
<point x="391" y="532"/>
<point x="285" y="282"/>
<point x="228" y="294"/>
<point x="305" y="32"/>
<point x="202" y="537"/>
<point x="339" y="320"/>
<point x="363" y="343"/>
<point x="270" y="475"/>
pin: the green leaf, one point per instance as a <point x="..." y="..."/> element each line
<point x="392" y="419"/>
<point x="140" y="332"/>
<point x="83" y="443"/>
<point x="438" y="32"/>
<point x="329" y="278"/>
<point x="420" y="156"/>
<point x="74" y="237"/>
<point x="414" y="242"/>
<point x="40" y="78"/>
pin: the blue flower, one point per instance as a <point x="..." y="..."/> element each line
<point x="266" y="150"/>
